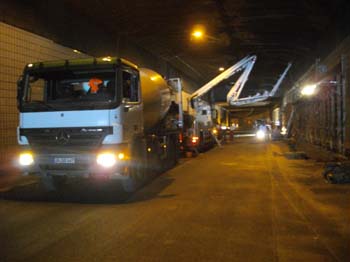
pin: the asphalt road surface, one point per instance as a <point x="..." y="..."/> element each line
<point x="241" y="202"/>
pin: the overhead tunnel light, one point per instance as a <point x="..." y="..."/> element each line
<point x="107" y="59"/>
<point x="308" y="90"/>
<point x="197" y="34"/>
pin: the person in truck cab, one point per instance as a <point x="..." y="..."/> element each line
<point x="94" y="85"/>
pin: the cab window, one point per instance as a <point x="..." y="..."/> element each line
<point x="36" y="90"/>
<point x="130" y="86"/>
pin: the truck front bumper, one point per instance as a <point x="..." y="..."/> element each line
<point x="74" y="165"/>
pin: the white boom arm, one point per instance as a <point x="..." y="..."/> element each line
<point x="246" y="63"/>
<point x="237" y="88"/>
<point x="261" y="97"/>
<point x="279" y="81"/>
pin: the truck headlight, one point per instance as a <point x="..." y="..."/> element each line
<point x="283" y="131"/>
<point x="260" y="134"/>
<point x="26" y="159"/>
<point x="106" y="159"/>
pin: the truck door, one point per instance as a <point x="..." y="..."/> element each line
<point x="132" y="107"/>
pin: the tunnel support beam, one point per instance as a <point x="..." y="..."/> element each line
<point x="344" y="89"/>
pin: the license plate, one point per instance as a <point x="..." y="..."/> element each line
<point x="64" y="160"/>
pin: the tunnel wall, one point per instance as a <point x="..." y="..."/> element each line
<point x="17" y="48"/>
<point x="324" y="118"/>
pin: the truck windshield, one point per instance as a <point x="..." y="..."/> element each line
<point x="67" y="89"/>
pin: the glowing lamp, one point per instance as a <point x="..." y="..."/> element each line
<point x="106" y="160"/>
<point x="197" y="34"/>
<point x="260" y="134"/>
<point x="26" y="159"/>
<point x="308" y="90"/>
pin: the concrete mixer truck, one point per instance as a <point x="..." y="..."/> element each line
<point x="95" y="117"/>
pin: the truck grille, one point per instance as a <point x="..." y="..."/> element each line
<point x="64" y="140"/>
<point x="53" y="167"/>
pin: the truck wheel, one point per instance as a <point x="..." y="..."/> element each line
<point x="129" y="184"/>
<point x="172" y="157"/>
<point x="136" y="176"/>
<point x="154" y="164"/>
<point x="53" y="183"/>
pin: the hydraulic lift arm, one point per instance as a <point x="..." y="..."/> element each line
<point x="245" y="64"/>
<point x="237" y="88"/>
<point x="261" y="97"/>
<point x="279" y="81"/>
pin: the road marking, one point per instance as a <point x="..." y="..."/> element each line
<point x="229" y="164"/>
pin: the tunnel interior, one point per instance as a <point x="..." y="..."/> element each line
<point x="173" y="130"/>
<point x="312" y="35"/>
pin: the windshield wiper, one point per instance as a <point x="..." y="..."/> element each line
<point x="76" y="105"/>
<point x="41" y="103"/>
<point x="89" y="104"/>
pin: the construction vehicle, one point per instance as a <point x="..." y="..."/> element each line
<point x="204" y="110"/>
<point x="106" y="117"/>
<point x="201" y="133"/>
<point x="96" y="117"/>
<point x="196" y="125"/>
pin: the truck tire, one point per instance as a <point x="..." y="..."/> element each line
<point x="173" y="154"/>
<point x="136" y="171"/>
<point x="134" y="179"/>
<point x="129" y="184"/>
<point x="53" y="183"/>
<point x="154" y="163"/>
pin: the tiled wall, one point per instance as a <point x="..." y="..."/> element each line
<point x="17" y="48"/>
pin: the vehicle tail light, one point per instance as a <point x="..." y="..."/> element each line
<point x="195" y="139"/>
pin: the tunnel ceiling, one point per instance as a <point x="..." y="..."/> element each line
<point x="276" y="31"/>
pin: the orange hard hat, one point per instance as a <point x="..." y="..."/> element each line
<point x="93" y="83"/>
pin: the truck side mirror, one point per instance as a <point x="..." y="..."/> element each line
<point x="192" y="102"/>
<point x="19" y="91"/>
